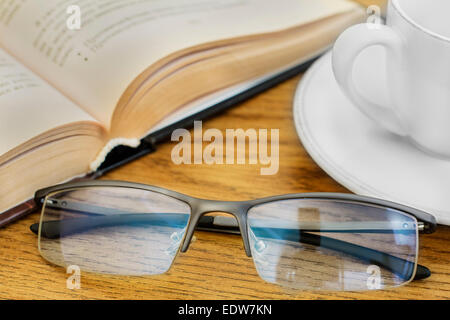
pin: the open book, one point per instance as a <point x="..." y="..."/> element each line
<point x="68" y="96"/>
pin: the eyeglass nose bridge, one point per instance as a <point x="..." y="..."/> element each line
<point x="202" y="207"/>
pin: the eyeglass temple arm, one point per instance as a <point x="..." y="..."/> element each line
<point x="53" y="230"/>
<point x="390" y="262"/>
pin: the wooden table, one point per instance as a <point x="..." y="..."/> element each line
<point x="215" y="266"/>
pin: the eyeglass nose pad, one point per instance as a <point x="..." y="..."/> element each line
<point x="176" y="238"/>
<point x="190" y="232"/>
<point x="242" y="221"/>
<point x="259" y="247"/>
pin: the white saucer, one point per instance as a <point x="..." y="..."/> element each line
<point x="356" y="152"/>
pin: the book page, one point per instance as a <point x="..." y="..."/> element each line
<point x="119" y="39"/>
<point x="29" y="106"/>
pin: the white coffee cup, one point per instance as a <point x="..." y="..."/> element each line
<point x="417" y="42"/>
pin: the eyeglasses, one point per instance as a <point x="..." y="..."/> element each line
<point x="314" y="241"/>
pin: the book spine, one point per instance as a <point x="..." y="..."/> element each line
<point x="18" y="212"/>
<point x="121" y="155"/>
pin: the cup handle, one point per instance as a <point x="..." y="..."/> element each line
<point x="345" y="51"/>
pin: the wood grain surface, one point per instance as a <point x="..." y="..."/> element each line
<point x="215" y="266"/>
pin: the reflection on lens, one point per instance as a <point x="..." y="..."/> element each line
<point x="114" y="230"/>
<point x="323" y="244"/>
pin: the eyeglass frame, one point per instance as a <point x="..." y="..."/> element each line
<point x="239" y="209"/>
